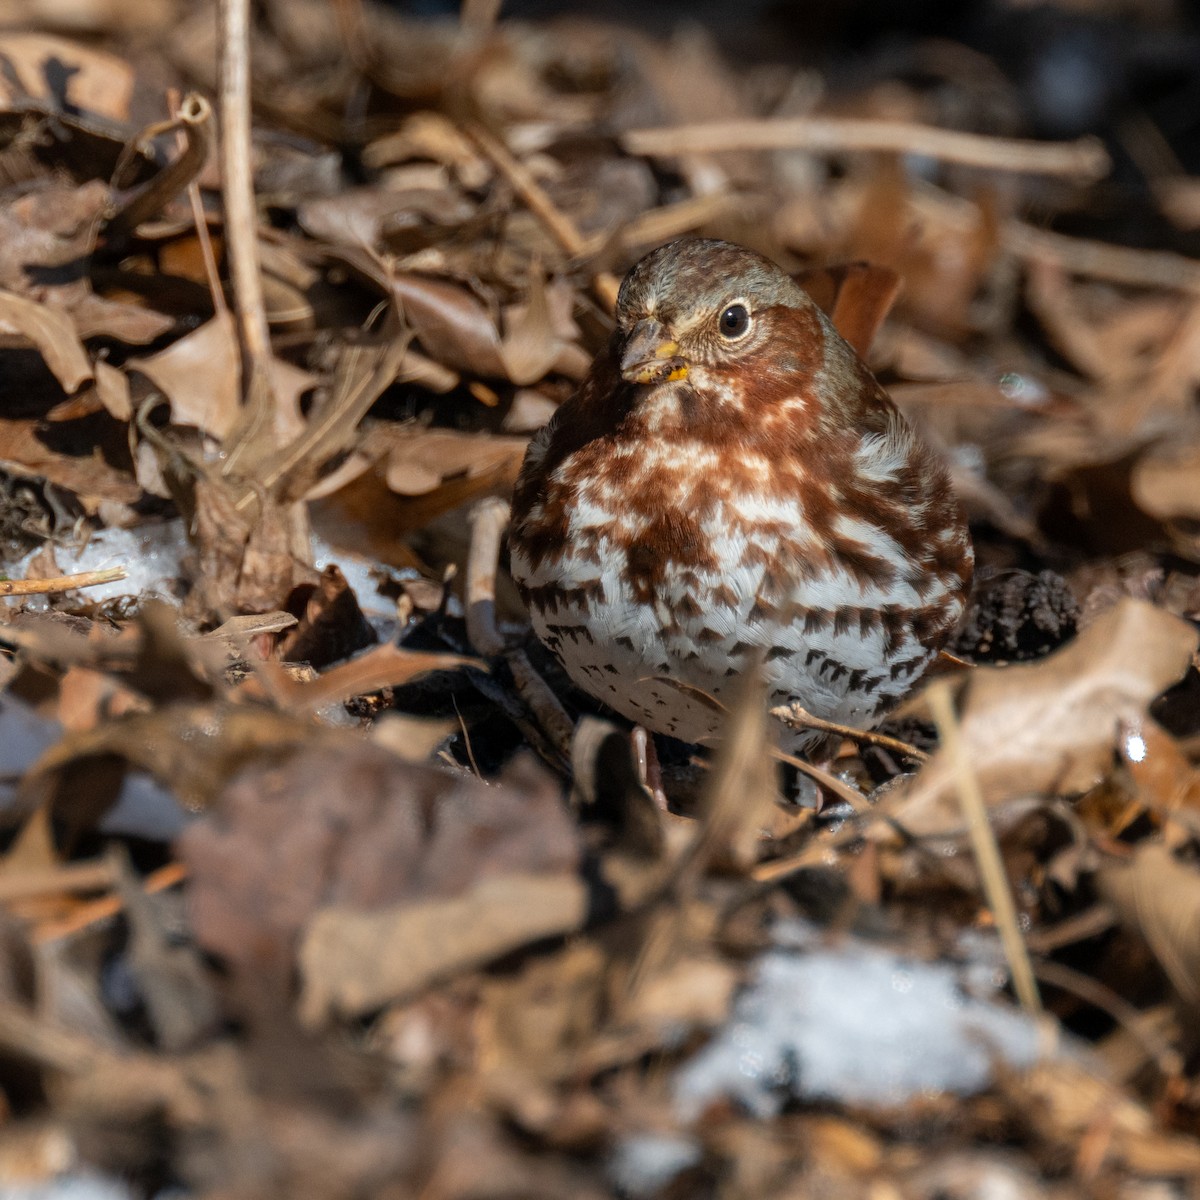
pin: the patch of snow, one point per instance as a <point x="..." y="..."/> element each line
<point x="643" y="1164"/>
<point x="80" y="1185"/>
<point x="858" y="1024"/>
<point x="152" y="554"/>
<point x="143" y="807"/>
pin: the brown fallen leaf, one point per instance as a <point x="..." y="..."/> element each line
<point x="1158" y="895"/>
<point x="354" y="962"/>
<point x="1051" y="727"/>
<point x="348" y="827"/>
<point x="452" y="326"/>
<point x="53" y="333"/>
<point x="331" y="625"/>
<point x="1164" y="778"/>
<point x="1166" y="481"/>
<point x="857" y="298"/>
<point x="199" y="375"/>
<point x="531" y="346"/>
<point x="367" y="216"/>
<point x="422" y="460"/>
<point x="96" y="82"/>
<point x="380" y="667"/>
<point x="24" y="450"/>
<point x="112" y="391"/>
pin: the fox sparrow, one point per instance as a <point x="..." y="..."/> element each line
<point x="731" y="485"/>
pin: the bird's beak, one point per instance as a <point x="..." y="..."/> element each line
<point x="651" y="355"/>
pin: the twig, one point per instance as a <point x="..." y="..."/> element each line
<point x="241" y="222"/>
<point x="796" y="717"/>
<point x="60" y="583"/>
<point x="192" y="120"/>
<point x="466" y="737"/>
<point x="1084" y="160"/>
<point x="479" y="16"/>
<point x="200" y="221"/>
<point x="1156" y="1047"/>
<point x="987" y="853"/>
<point x="108" y="906"/>
<point x="661" y="224"/>
<point x="70" y="877"/>
<point x="1100" y="260"/>
<point x="829" y="781"/>
<point x="363" y="373"/>
<point x="560" y="227"/>
<point x="489" y="519"/>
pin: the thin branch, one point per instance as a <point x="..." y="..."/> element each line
<point x="991" y="868"/>
<point x="489" y="519"/>
<point x="1101" y="260"/>
<point x="241" y="227"/>
<point x="1084" y="160"/>
<point x="479" y="16"/>
<point x="559" y="226"/>
<point x="829" y="781"/>
<point x="90" y="876"/>
<point x="211" y="273"/>
<point x="60" y="583"/>
<point x="193" y="122"/>
<point x="108" y="906"/>
<point x="794" y="716"/>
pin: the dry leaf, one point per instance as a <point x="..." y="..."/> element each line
<point x="112" y="390"/>
<point x="1159" y="896"/>
<point x="199" y="375"/>
<point x="90" y="477"/>
<point x="1166" y="480"/>
<point x="451" y="325"/>
<point x="331" y="627"/>
<point x="378" y="668"/>
<point x="530" y="347"/>
<point x="349" y="827"/>
<point x="422" y="460"/>
<point x="1051" y="727"/>
<point x="53" y="333"/>
<point x="354" y="962"/>
<point x="857" y="297"/>
<point x="96" y="82"/>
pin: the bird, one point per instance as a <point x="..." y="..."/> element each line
<point x="730" y="489"/>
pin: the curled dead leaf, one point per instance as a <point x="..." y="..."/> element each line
<point x="367" y="858"/>
<point x="1166" y="481"/>
<point x="452" y="326"/>
<point x="1159" y="896"/>
<point x="1051" y="727"/>
<point x="53" y="333"/>
<point x="199" y="376"/>
<point x="354" y="962"/>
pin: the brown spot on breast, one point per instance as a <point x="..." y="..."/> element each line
<point x="816" y="619"/>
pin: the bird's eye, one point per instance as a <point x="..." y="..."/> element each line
<point x="734" y="322"/>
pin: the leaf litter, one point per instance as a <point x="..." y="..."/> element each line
<point x="317" y="877"/>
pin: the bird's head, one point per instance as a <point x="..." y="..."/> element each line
<point x="697" y="303"/>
